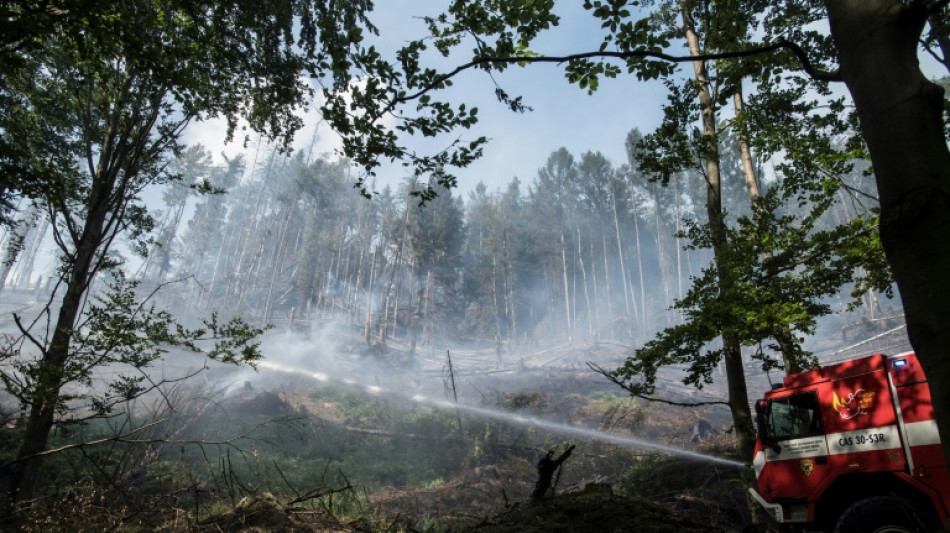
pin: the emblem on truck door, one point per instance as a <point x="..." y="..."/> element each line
<point x="807" y="466"/>
<point x="856" y="403"/>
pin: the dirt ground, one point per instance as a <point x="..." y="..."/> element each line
<point x="596" y="508"/>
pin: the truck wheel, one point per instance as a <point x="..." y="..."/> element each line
<point x="885" y="514"/>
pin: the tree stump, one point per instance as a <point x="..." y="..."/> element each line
<point x="547" y="466"/>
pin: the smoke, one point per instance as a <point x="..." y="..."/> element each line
<point x="333" y="353"/>
<point x="503" y="416"/>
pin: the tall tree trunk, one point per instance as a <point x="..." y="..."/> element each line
<point x="510" y="306"/>
<point x="567" y="292"/>
<point x="663" y="259"/>
<point x="370" y="288"/>
<point x="580" y="260"/>
<point x="397" y="266"/>
<point x="426" y="328"/>
<point x="333" y="275"/>
<point x="901" y="115"/>
<point x="496" y="311"/>
<point x="10" y="252"/>
<point x="50" y="377"/>
<point x="220" y="263"/>
<point x="410" y="294"/>
<point x="278" y="264"/>
<point x="254" y="270"/>
<point x="595" y="285"/>
<point x="608" y="297"/>
<point x="171" y="233"/>
<point x="623" y="269"/>
<point x="732" y="352"/>
<point x="783" y="333"/>
<point x="636" y="234"/>
<point x="343" y="267"/>
<point x="679" y="247"/>
<point x="247" y="228"/>
<point x="354" y="294"/>
<point x="247" y="267"/>
<point x="365" y="243"/>
<point x="107" y="195"/>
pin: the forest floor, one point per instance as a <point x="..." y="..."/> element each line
<point x="334" y="438"/>
<point x="403" y="467"/>
<point x="595" y="509"/>
<point x="602" y="488"/>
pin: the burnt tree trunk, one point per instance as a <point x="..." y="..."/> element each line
<point x="547" y="466"/>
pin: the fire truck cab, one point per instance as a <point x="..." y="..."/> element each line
<point x="852" y="447"/>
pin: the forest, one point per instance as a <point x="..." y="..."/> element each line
<point x="585" y="250"/>
<point x="226" y="338"/>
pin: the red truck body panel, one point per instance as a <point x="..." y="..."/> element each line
<point x="869" y="415"/>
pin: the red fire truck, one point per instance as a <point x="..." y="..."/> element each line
<point x="852" y="447"/>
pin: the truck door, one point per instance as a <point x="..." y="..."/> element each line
<point x="796" y="451"/>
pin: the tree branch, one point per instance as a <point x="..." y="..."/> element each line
<point x="934" y="55"/>
<point x="125" y="439"/>
<point x="26" y="333"/>
<point x="798" y="51"/>
<point x="315" y="493"/>
<point x="596" y="368"/>
<point x="117" y="438"/>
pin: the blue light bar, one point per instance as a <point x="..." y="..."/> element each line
<point x="900" y="362"/>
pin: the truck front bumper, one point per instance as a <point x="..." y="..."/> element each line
<point x="774" y="509"/>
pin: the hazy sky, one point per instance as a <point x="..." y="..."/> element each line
<point x="563" y="115"/>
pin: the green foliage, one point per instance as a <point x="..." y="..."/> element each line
<point x="719" y="494"/>
<point x="636" y="39"/>
<point x="522" y="401"/>
<point x="773" y="269"/>
<point x="91" y="109"/>
<point x="97" y="77"/>
<point x="782" y="290"/>
<point x="615" y="412"/>
<point x="128" y="335"/>
<point x="202" y="451"/>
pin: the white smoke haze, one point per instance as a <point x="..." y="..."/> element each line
<point x="296" y="361"/>
<point x="317" y="358"/>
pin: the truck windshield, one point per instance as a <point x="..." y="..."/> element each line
<point x="793" y="416"/>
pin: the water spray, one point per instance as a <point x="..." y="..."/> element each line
<point x="553" y="427"/>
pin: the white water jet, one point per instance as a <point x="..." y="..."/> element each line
<point x="554" y="427"/>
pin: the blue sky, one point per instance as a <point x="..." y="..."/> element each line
<point x="563" y="114"/>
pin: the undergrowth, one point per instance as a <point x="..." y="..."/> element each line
<point x="330" y="458"/>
